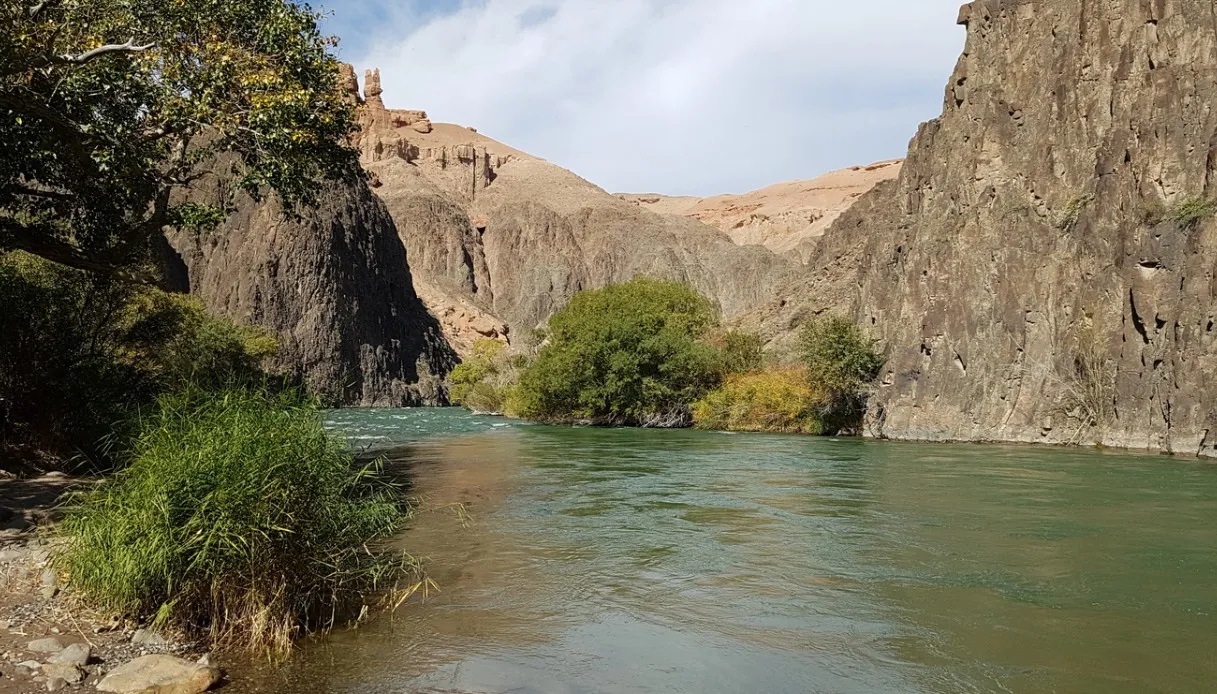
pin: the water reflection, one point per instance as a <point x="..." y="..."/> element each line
<point x="627" y="561"/>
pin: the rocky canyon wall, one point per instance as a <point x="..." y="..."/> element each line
<point x="333" y="286"/>
<point x="1043" y="270"/>
<point x="499" y="239"/>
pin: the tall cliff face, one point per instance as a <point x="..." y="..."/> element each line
<point x="499" y="239"/>
<point x="1033" y="272"/>
<point x="334" y="286"/>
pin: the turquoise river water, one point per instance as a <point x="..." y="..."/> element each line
<point x="589" y="560"/>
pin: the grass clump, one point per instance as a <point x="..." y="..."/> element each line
<point x="776" y="401"/>
<point x="1073" y="212"/>
<point x="239" y="517"/>
<point x="1190" y="213"/>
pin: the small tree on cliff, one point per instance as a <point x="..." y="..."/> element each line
<point x="110" y="108"/>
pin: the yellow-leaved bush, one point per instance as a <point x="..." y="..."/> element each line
<point x="777" y="401"/>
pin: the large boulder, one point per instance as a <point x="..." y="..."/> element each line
<point x="160" y="674"/>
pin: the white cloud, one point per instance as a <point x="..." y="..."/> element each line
<point x="678" y="96"/>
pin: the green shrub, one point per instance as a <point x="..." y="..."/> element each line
<point x="739" y="352"/>
<point x="1190" y="213"/>
<point x="627" y="354"/>
<point x="482" y="380"/>
<point x="239" y="517"/>
<point x="841" y="363"/>
<point x="779" y="401"/>
<point x="80" y="350"/>
<point x="62" y="381"/>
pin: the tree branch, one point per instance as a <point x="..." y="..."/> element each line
<point x="128" y="47"/>
<point x="39" y="239"/>
<point x="42" y="193"/>
<point x="37" y="9"/>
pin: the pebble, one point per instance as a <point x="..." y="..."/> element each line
<point x="64" y="671"/>
<point x="47" y="645"/>
<point x="147" y="637"/>
<point x="76" y="654"/>
<point x="56" y="683"/>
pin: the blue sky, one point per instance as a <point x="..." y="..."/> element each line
<point x="673" y="96"/>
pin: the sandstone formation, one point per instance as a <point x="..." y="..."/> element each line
<point x="498" y="239"/>
<point x="1044" y="267"/>
<point x="333" y="286"/>
<point x="782" y="217"/>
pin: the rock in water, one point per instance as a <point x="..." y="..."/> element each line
<point x="163" y="674"/>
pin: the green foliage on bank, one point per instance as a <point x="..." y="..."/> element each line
<point x="84" y="350"/>
<point x="627" y="354"/>
<point x="239" y="517"/>
<point x="823" y="393"/>
<point x="841" y="364"/>
<point x="232" y="512"/>
<point x="483" y="382"/>
<point x="651" y="353"/>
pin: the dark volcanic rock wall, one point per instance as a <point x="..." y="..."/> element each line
<point x="1027" y="272"/>
<point x="334" y="287"/>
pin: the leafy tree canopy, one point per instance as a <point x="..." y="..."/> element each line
<point x="841" y="364"/>
<point x="109" y="108"/>
<point x="627" y="354"/>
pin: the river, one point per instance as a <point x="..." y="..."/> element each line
<point x="589" y="560"/>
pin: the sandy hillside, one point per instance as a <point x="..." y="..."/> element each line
<point x="782" y="216"/>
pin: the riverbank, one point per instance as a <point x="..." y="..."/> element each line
<point x="52" y="641"/>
